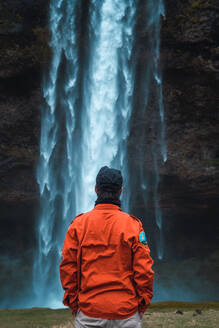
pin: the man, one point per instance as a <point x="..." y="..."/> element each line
<point x="106" y="268"/>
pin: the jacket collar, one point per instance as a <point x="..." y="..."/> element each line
<point x="111" y="207"/>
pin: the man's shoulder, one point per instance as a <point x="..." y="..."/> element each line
<point x="76" y="217"/>
<point x="135" y="218"/>
<point x="132" y="218"/>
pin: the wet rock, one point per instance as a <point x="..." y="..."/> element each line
<point x="198" y="311"/>
<point x="179" y="312"/>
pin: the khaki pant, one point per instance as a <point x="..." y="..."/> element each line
<point x="82" y="321"/>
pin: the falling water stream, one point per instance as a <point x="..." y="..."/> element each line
<point x="88" y="92"/>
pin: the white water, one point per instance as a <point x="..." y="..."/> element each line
<point x="85" y="121"/>
<point x="56" y="174"/>
<point x="106" y="111"/>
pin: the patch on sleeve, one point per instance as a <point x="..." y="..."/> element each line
<point x="143" y="238"/>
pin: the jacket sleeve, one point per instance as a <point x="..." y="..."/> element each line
<point x="142" y="268"/>
<point x="69" y="269"/>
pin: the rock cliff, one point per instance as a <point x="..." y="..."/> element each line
<point x="190" y="185"/>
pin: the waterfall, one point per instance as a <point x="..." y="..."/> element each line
<point x="106" y="110"/>
<point x="56" y="171"/>
<point x="159" y="147"/>
<point x="149" y="98"/>
<point x="88" y="91"/>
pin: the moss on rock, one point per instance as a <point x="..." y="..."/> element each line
<point x="200" y="4"/>
<point x="24" y="36"/>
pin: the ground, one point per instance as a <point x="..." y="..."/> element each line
<point x="163" y="315"/>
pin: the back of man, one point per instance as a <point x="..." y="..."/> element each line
<point x="106" y="268"/>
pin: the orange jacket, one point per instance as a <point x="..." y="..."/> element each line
<point x="106" y="268"/>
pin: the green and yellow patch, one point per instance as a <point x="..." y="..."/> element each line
<point x="142" y="238"/>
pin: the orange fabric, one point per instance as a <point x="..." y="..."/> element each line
<point x="105" y="270"/>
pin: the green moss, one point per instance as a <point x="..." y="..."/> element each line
<point x="197" y="5"/>
<point x="215" y="162"/>
<point x="20" y="153"/>
<point x="19" y="19"/>
<point x="194" y="20"/>
<point x="9" y="14"/>
<point x="200" y="4"/>
<point x="36" y="54"/>
<point x="22" y="47"/>
<point x="41" y="34"/>
<point x="5" y="27"/>
<point x="181" y="16"/>
<point x="214" y="257"/>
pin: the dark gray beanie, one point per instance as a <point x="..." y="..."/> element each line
<point x="109" y="179"/>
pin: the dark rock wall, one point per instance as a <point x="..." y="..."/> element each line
<point x="190" y="179"/>
<point x="189" y="189"/>
<point x="24" y="52"/>
<point x="191" y="75"/>
<point x="190" y="186"/>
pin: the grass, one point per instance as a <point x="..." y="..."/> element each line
<point x="33" y="318"/>
<point x="161" y="315"/>
<point x="208" y="319"/>
<point x="184" y="306"/>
